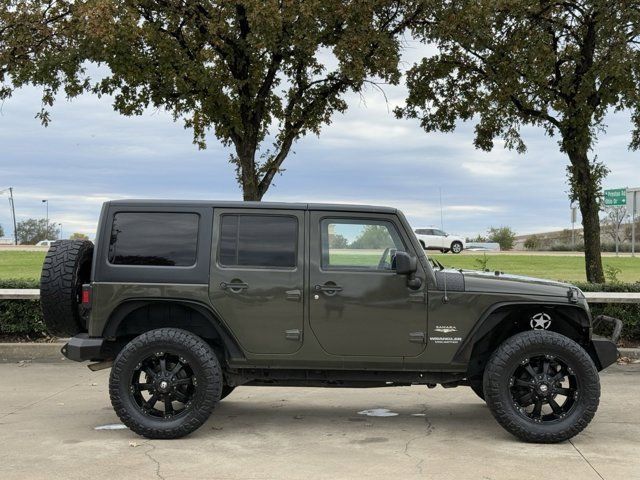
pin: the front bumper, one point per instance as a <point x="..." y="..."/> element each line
<point x="604" y="350"/>
<point x="83" y="347"/>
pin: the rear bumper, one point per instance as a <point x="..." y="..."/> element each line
<point x="82" y="347"/>
<point x="604" y="350"/>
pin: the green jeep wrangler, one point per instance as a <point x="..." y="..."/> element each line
<point x="187" y="300"/>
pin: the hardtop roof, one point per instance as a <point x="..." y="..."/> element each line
<point x="259" y="205"/>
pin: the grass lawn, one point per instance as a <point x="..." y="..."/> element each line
<point x="27" y="264"/>
<point x="21" y="264"/>
<point x="553" y="267"/>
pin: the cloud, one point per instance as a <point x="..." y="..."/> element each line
<point x="90" y="154"/>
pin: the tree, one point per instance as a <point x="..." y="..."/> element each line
<point x="33" y="230"/>
<point x="38" y="46"/>
<point x="503" y="236"/>
<point x="559" y="65"/>
<point x="478" y="239"/>
<point x="253" y="71"/>
<point x="1" y="231"/>
<point x="78" y="236"/>
<point x="338" y="241"/>
<point x="373" y="236"/>
<point x="532" y="242"/>
<point x="613" y="221"/>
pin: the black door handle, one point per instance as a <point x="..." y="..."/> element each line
<point x="328" y="288"/>
<point x="235" y="287"/>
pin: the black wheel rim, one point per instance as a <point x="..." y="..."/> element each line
<point x="544" y="389"/>
<point x="163" y="385"/>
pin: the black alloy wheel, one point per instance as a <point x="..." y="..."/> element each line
<point x="544" y="388"/>
<point x="163" y="385"/>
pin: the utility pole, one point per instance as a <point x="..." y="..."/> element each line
<point x="634" y="212"/>
<point x="13" y="213"/>
<point x="46" y="231"/>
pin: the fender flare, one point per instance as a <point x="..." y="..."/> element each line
<point x="496" y="313"/>
<point x="120" y="312"/>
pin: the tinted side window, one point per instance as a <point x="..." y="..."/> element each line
<point x="149" y="238"/>
<point x="423" y="231"/>
<point x="258" y="241"/>
<point x="359" y="244"/>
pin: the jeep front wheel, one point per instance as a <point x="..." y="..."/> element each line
<point x="165" y="383"/>
<point x="456" y="247"/>
<point x="542" y="387"/>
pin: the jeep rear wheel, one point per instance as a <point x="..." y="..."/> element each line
<point x="165" y="383"/>
<point x="66" y="267"/>
<point x="542" y="387"/>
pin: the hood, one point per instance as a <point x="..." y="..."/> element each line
<point x="478" y="281"/>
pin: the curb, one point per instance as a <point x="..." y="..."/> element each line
<point x="633" y="353"/>
<point x="28" y="352"/>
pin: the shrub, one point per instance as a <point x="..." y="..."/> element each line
<point x="21" y="317"/>
<point x="629" y="313"/>
<point x="502" y="235"/>
<point x="533" y="243"/>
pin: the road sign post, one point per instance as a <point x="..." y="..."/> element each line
<point x="634" y="213"/>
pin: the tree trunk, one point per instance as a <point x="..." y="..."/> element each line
<point x="585" y="186"/>
<point x="247" y="174"/>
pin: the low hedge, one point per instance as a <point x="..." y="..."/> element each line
<point x="629" y="313"/>
<point x="24" y="318"/>
<point x="21" y="317"/>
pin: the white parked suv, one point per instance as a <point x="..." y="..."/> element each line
<point x="435" y="239"/>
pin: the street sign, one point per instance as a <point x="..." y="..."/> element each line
<point x="615" y="197"/>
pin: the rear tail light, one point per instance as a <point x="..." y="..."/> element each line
<point x="86" y="295"/>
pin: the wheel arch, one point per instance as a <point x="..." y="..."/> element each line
<point x="136" y="316"/>
<point x="504" y="320"/>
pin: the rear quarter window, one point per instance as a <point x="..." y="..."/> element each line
<point x="154" y="239"/>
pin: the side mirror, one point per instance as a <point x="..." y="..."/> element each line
<point x="408" y="265"/>
<point x="405" y="263"/>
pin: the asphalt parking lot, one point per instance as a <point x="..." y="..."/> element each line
<point x="49" y="413"/>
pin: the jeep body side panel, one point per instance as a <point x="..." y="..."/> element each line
<point x="374" y="313"/>
<point x="112" y="285"/>
<point x="262" y="305"/>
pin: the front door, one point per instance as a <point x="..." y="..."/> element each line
<point x="257" y="277"/>
<point x="358" y="304"/>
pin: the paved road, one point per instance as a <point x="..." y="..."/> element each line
<point x="48" y="415"/>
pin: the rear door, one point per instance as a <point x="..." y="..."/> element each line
<point x="358" y="304"/>
<point x="257" y="277"/>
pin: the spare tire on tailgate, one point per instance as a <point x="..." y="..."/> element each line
<point x="66" y="267"/>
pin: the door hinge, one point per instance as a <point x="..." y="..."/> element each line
<point x="293" y="334"/>
<point x="417" y="337"/>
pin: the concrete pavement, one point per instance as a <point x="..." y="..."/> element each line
<point x="49" y="412"/>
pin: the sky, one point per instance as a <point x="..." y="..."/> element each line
<point x="90" y="154"/>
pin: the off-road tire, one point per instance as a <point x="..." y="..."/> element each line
<point x="66" y="267"/>
<point x="200" y="357"/>
<point x="497" y="391"/>
<point x="226" y="391"/>
<point x="456" y="247"/>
